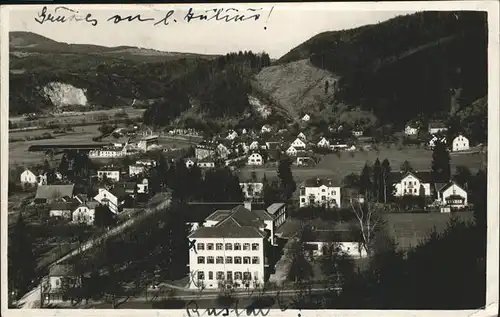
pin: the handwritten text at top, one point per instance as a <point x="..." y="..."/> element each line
<point x="62" y="14"/>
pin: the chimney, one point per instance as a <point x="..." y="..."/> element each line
<point x="248" y="204"/>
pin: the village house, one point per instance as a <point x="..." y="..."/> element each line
<point x="60" y="278"/>
<point x="111" y="173"/>
<point x="357" y="133"/>
<point x="451" y="196"/>
<point x="323" y="143"/>
<point x="114" y="198"/>
<point x="54" y="193"/>
<point x="189" y="163"/>
<point x="254" y="145"/>
<point x="204" y="150"/>
<point x="206" y="163"/>
<point x="244" y="131"/>
<point x="434" y="140"/>
<point x="302" y="136"/>
<point x="29" y="178"/>
<point x="266" y="128"/>
<point x="299" y="144"/>
<point x="222" y="151"/>
<point x="305" y="161"/>
<point x="278" y="212"/>
<point x="148" y="142"/>
<point x="411" y="184"/>
<point x="229" y="249"/>
<point x="62" y="209"/>
<point x="460" y="143"/>
<point x="252" y="190"/>
<point x="136" y="169"/>
<point x="232" y="135"/>
<point x="436" y="127"/>
<point x="318" y="242"/>
<point x="255" y="159"/>
<point x="411" y="129"/>
<point x="317" y="192"/>
<point x="146" y="162"/>
<point x="85" y="213"/>
<point x="306" y="118"/>
<point x="291" y="151"/>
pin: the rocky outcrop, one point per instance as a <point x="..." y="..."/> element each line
<point x="61" y="95"/>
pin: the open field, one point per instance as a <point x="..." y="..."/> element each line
<point x="336" y="168"/>
<point x="74" y="116"/>
<point x="18" y="154"/>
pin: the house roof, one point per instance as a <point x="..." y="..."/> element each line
<point x="61" y="270"/>
<point x="273" y="208"/>
<point x="229" y="230"/>
<point x="436" y="125"/>
<point x="54" y="191"/>
<point x="423" y="176"/>
<point x="62" y="205"/>
<point x="448" y="185"/>
<point x="218" y="215"/>
<point x="90" y="204"/>
<point x="317" y="182"/>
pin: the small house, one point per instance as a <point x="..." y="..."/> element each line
<point x="452" y="196"/>
<point x="85" y="213"/>
<point x="323" y="143"/>
<point x="255" y="159"/>
<point x="299" y="144"/>
<point x="28" y="177"/>
<point x="460" y="143"/>
<point x="291" y="151"/>
<point x="436" y="127"/>
<point x="266" y="129"/>
<point x="306" y="118"/>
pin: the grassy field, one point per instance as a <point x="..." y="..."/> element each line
<point x="336" y="168"/>
<point x="18" y="151"/>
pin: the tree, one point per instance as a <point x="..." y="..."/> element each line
<point x="21" y="261"/>
<point x="440" y="163"/>
<point x="377" y="180"/>
<point x="369" y="219"/>
<point x="479" y="195"/>
<point x="103" y="217"/>
<point x="365" y="182"/>
<point x="406" y="167"/>
<point x="387" y="187"/>
<point x="462" y="176"/>
<point x="287" y="183"/>
<point x="64" y="165"/>
<point x="300" y="268"/>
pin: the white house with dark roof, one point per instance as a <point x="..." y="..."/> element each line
<point x="114" y="198"/>
<point x="412" y="184"/>
<point x="111" y="173"/>
<point x="306" y="118"/>
<point x="255" y="159"/>
<point x="85" y="213"/>
<point x="323" y="142"/>
<point x="452" y="196"/>
<point x="291" y="151"/>
<point x="319" y="192"/>
<point x="299" y="144"/>
<point x="61" y="209"/>
<point x="266" y="128"/>
<point x="189" y="163"/>
<point x="229" y="250"/>
<point x="302" y="136"/>
<point x="28" y="177"/>
<point x="136" y="169"/>
<point x="460" y="143"/>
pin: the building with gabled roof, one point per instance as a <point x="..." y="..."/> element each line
<point x="53" y="193"/>
<point x="319" y="191"/>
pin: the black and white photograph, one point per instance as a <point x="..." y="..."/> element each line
<point x="251" y="159"/>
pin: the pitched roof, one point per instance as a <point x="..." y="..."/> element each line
<point x="317" y="182"/>
<point x="448" y="185"/>
<point x="61" y="270"/>
<point x="273" y="208"/>
<point x="436" y="125"/>
<point x="90" y="204"/>
<point x="218" y="215"/>
<point x="423" y="176"/>
<point x="63" y="205"/>
<point x="230" y="229"/>
<point x="54" y="191"/>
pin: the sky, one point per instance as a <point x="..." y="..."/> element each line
<point x="275" y="32"/>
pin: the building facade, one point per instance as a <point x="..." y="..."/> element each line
<point x="460" y="143"/>
<point x="317" y="192"/>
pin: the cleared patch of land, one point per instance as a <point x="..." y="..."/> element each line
<point x="337" y="167"/>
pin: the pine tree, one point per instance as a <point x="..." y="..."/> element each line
<point x="365" y="182"/>
<point x="287" y="183"/>
<point x="64" y="166"/>
<point x="406" y="167"/>
<point x="440" y="163"/>
<point x="22" y="262"/>
<point x="387" y="188"/>
<point x="377" y="180"/>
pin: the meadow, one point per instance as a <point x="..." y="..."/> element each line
<point x="337" y="167"/>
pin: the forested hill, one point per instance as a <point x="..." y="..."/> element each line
<point x="405" y="66"/>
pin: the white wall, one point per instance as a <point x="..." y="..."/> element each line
<point x="27" y="177"/>
<point x="460" y="143"/>
<point x="225" y="267"/>
<point x="454" y="190"/>
<point x="412" y="186"/>
<point x="111" y="175"/>
<point x="331" y="194"/>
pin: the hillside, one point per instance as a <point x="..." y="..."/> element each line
<point x="297" y="86"/>
<point x="398" y="69"/>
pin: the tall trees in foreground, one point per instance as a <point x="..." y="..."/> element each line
<point x="440" y="166"/>
<point x="21" y="261"/>
<point x="375" y="181"/>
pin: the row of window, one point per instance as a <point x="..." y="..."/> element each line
<point x="409" y="191"/>
<point x="229" y="260"/>
<point x="245" y="276"/>
<point x="228" y="246"/>
<point x="410" y="183"/>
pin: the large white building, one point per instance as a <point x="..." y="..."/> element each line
<point x="229" y="249"/>
<point x="110" y="173"/>
<point x="460" y="143"/>
<point x="412" y="184"/>
<point x="320" y="192"/>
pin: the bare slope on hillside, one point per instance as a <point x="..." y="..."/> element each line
<point x="297" y="86"/>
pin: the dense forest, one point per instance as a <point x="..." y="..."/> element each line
<point x="405" y="66"/>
